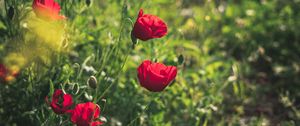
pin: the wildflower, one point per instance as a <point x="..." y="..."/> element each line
<point x="148" y="26"/>
<point x="86" y="114"/>
<point x="155" y="76"/>
<point x="47" y="9"/>
<point x="61" y="102"/>
<point x="8" y="75"/>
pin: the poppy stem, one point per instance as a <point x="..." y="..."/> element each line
<point x="123" y="19"/>
<point x="45" y="123"/>
<point x="146" y="108"/>
<point x="112" y="83"/>
<point x="63" y="123"/>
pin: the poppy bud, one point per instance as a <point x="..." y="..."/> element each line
<point x="180" y="59"/>
<point x="88" y="2"/>
<point x="133" y="40"/>
<point x="11" y="12"/>
<point x="92" y="82"/>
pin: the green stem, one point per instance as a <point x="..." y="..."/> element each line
<point x="49" y="118"/>
<point x="83" y="65"/>
<point x="109" y="54"/>
<point x="146" y="108"/>
<point x="118" y="75"/>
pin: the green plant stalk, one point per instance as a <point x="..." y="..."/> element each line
<point x="146" y="108"/>
<point x="96" y="98"/>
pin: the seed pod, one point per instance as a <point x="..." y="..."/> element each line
<point x="92" y="82"/>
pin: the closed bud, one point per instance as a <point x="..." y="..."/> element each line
<point x="180" y="59"/>
<point x="88" y="2"/>
<point x="92" y="82"/>
<point x="11" y="12"/>
<point x="133" y="40"/>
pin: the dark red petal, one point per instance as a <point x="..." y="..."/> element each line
<point x="84" y="113"/>
<point x="56" y="108"/>
<point x="142" y="69"/>
<point x="47" y="9"/>
<point x="141" y="30"/>
<point x="159" y="27"/>
<point x="69" y="111"/>
<point x="57" y="93"/>
<point x="171" y="73"/>
<point x="141" y="12"/>
<point x="96" y="111"/>
<point x="96" y="123"/>
<point x="87" y="112"/>
<point x="158" y="68"/>
<point x="66" y="103"/>
<point x="154" y="81"/>
<point x="147" y="20"/>
<point x="67" y="100"/>
<point x="76" y="114"/>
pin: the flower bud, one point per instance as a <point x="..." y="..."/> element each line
<point x="92" y="82"/>
<point x="11" y="13"/>
<point x="88" y="2"/>
<point x="180" y="59"/>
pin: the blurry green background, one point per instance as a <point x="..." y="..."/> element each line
<point x="241" y="63"/>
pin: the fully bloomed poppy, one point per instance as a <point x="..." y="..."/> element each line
<point x="148" y="26"/>
<point x="61" y="102"/>
<point x="86" y="114"/>
<point x="47" y="9"/>
<point x="155" y="76"/>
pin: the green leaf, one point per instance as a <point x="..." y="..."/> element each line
<point x="51" y="88"/>
<point x="2" y="26"/>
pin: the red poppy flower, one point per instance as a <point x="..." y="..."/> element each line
<point x="85" y="114"/>
<point x="7" y="75"/>
<point x="47" y="9"/>
<point x="61" y="102"/>
<point x="148" y="26"/>
<point x="155" y="76"/>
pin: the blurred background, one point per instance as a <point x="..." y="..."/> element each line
<point x="238" y="61"/>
